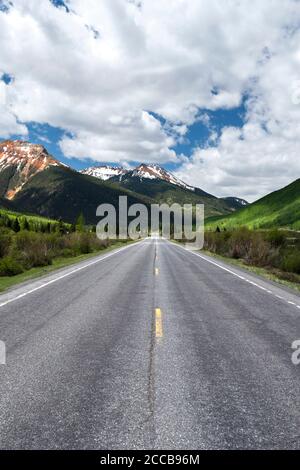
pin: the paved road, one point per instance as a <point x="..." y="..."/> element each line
<point x="150" y="347"/>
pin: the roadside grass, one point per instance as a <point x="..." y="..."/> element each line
<point x="7" y="282"/>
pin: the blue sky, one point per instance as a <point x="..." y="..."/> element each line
<point x="198" y="135"/>
<point x="208" y="89"/>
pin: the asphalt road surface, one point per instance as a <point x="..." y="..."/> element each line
<point x="150" y="347"/>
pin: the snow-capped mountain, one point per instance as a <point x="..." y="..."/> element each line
<point x="32" y="180"/>
<point x="143" y="171"/>
<point x="157" y="172"/>
<point x="20" y="161"/>
<point x="235" y="202"/>
<point x="104" y="172"/>
<point x="242" y="202"/>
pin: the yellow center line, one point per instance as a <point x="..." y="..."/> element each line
<point x="156" y="271"/>
<point x="158" y="323"/>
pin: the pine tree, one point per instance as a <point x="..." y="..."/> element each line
<point x="16" y="226"/>
<point x="61" y="228"/>
<point x="26" y="224"/>
<point x="80" y="223"/>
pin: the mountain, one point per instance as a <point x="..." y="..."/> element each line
<point x="157" y="172"/>
<point x="161" y="191"/>
<point x="104" y="173"/>
<point x="64" y="193"/>
<point x="162" y="186"/>
<point x="6" y="204"/>
<point x="19" y="162"/>
<point x="142" y="171"/>
<point x="235" y="202"/>
<point x="33" y="181"/>
<point x="278" y="209"/>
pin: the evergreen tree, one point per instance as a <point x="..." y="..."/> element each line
<point x="80" y="223"/>
<point x="61" y="228"/>
<point x="26" y="224"/>
<point x="16" y="225"/>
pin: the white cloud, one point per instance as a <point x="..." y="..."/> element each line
<point x="247" y="163"/>
<point x="123" y="138"/>
<point x="8" y="121"/>
<point x="265" y="154"/>
<point x="99" y="71"/>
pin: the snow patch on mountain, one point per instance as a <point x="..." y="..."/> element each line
<point x="23" y="160"/>
<point x="242" y="202"/>
<point x="157" y="172"/>
<point x="143" y="171"/>
<point x="105" y="172"/>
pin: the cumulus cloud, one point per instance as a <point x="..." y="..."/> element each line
<point x="8" y="121"/>
<point x="248" y="163"/>
<point x="124" y="138"/>
<point x="264" y="155"/>
<point x="103" y="70"/>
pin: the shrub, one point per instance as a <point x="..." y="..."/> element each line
<point x="276" y="238"/>
<point x="240" y="243"/>
<point x="31" y="249"/>
<point x="260" y="251"/>
<point x="55" y="243"/>
<point x="101" y="244"/>
<point x="5" y="241"/>
<point x="67" y="253"/>
<point x="217" y="242"/>
<point x="85" y="243"/>
<point x="291" y="262"/>
<point x="252" y="246"/>
<point x="10" y="266"/>
<point x="26" y="249"/>
<point x="72" y="243"/>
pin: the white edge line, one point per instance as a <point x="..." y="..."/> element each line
<point x="237" y="275"/>
<point x="66" y="275"/>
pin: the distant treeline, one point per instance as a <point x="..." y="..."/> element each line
<point x="17" y="223"/>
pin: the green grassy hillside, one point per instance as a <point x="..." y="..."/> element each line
<point x="18" y="221"/>
<point x="29" y="217"/>
<point x="278" y="209"/>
